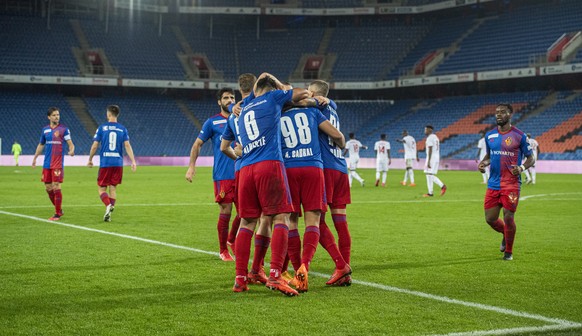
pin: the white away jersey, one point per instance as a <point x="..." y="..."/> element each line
<point x="382" y="147"/>
<point x="482" y="148"/>
<point x="409" y="147"/>
<point x="533" y="143"/>
<point x="353" y="147"/>
<point x="433" y="141"/>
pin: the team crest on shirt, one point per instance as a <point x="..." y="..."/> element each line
<point x="57" y="172"/>
<point x="56" y="134"/>
<point x="512" y="197"/>
<point x="508" y="141"/>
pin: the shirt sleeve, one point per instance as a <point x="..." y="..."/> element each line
<point x="376" y="146"/>
<point x="387" y="145"/>
<point x="430" y="141"/>
<point x="42" y="140"/>
<point x="67" y="135"/>
<point x="125" y="135"/>
<point x="228" y="134"/>
<point x="283" y="96"/>
<point x="98" y="134"/>
<point x="319" y="117"/>
<point x="206" y="132"/>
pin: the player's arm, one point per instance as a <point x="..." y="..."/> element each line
<point x="318" y="102"/>
<point x="39" y="150"/>
<point x="92" y="152"/>
<point x="194" y="152"/>
<point x="71" y="147"/>
<point x="484" y="163"/>
<point x="337" y="136"/>
<point x="428" y="157"/>
<point x="227" y="149"/>
<point x="129" y="151"/>
<point x="389" y="158"/>
<point x="530" y="160"/>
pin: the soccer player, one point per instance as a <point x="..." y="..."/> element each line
<point x="223" y="169"/>
<point x="431" y="166"/>
<point x="530" y="174"/>
<point x="16" y="150"/>
<point x="300" y="128"/>
<point x="263" y="187"/>
<point x="410" y="154"/>
<point x="383" y="160"/>
<point x="353" y="147"/>
<point x="51" y="141"/>
<point x="506" y="146"/>
<point x="113" y="137"/>
<point x="481" y="151"/>
<point x="337" y="191"/>
<point x="257" y="274"/>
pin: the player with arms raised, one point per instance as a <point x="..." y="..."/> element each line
<point x="51" y="141"/>
<point x="506" y="146"/>
<point x="113" y="137"/>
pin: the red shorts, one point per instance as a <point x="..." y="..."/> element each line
<point x="224" y="191"/>
<point x="337" y="189"/>
<point x="52" y="175"/>
<point x="109" y="176"/>
<point x="307" y="187"/>
<point x="507" y="198"/>
<point x="263" y="188"/>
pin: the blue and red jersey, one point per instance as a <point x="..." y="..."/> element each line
<point x="300" y="137"/>
<point x="331" y="154"/>
<point x="260" y="127"/>
<point x="212" y="129"/>
<point x="231" y="132"/>
<point x="112" y="137"/>
<point x="53" y="140"/>
<point x="505" y="150"/>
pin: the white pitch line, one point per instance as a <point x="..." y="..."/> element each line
<point x="543" y="195"/>
<point x="558" y="324"/>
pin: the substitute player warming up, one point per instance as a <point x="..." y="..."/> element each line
<point x="506" y="145"/>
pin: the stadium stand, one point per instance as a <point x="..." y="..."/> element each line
<point x="26" y="114"/>
<point x="36" y="50"/>
<point x="513" y="39"/>
<point x="136" y="50"/>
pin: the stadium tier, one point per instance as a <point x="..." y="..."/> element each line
<point x="158" y="127"/>
<point x="233" y="45"/>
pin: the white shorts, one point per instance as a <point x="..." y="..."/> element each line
<point x="434" y="168"/>
<point x="409" y="163"/>
<point x="381" y="165"/>
<point x="354" y="163"/>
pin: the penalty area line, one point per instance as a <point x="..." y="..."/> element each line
<point x="556" y="324"/>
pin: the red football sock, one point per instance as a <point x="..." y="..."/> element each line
<point x="222" y="228"/>
<point x="58" y="201"/>
<point x="498" y="226"/>
<point x="51" y="195"/>
<point x="509" y="234"/>
<point x="242" y="251"/>
<point x="343" y="235"/>
<point x="112" y="200"/>
<point x="105" y="199"/>
<point x="234" y="229"/>
<point x="310" y="242"/>
<point x="327" y="240"/>
<point x="294" y="249"/>
<point x="278" y="248"/>
<point x="285" y="263"/>
<point x="261" y="247"/>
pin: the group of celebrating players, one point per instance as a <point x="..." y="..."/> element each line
<point x="277" y="152"/>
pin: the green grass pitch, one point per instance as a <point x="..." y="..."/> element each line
<point x="421" y="266"/>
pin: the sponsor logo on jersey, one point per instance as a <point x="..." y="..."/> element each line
<point x="218" y="122"/>
<point x="493" y="136"/>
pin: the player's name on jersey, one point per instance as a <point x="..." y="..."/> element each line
<point x="110" y="154"/>
<point x="112" y="128"/>
<point x="336" y="152"/>
<point x="257" y="143"/>
<point x="299" y="153"/>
